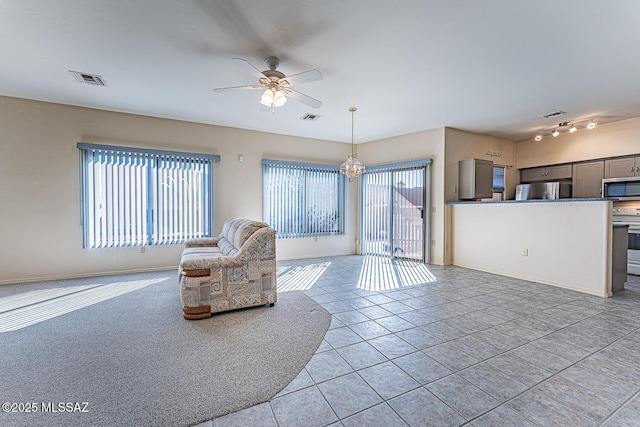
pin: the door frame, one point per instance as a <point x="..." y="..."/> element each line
<point x="426" y="187"/>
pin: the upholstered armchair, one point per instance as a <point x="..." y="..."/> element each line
<point x="237" y="269"/>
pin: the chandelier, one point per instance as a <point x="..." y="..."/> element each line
<point x="352" y="167"/>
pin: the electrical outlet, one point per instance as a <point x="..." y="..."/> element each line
<point x="143" y="249"/>
<point x="525" y="252"/>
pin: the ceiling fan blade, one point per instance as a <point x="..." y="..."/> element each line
<point x="249" y="67"/>
<point x="229" y="89"/>
<point x="301" y="97"/>
<point x="300" y="78"/>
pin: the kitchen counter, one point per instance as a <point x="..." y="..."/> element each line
<point x="589" y="199"/>
<point x="565" y="242"/>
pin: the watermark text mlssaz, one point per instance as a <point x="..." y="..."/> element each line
<point x="52" y="407"/>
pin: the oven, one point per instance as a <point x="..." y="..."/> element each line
<point x="630" y="215"/>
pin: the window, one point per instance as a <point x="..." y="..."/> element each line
<point x="137" y="197"/>
<point x="303" y="199"/>
<point x="498" y="179"/>
<point x="498" y="184"/>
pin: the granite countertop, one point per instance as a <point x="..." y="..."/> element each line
<point x="586" y="199"/>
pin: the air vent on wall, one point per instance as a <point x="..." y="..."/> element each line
<point x="86" y="78"/>
<point x="553" y="114"/>
<point x="310" y="117"/>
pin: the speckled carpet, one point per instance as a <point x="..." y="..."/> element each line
<point x="130" y="359"/>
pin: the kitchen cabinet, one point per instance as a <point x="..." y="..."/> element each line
<point x="475" y="179"/>
<point x="546" y="173"/>
<point x="587" y="179"/>
<point x="622" y="167"/>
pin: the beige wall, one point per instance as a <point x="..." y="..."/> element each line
<point x="40" y="180"/>
<point x="40" y="228"/>
<point x="609" y="140"/>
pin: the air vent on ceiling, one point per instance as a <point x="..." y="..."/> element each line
<point x="86" y="78"/>
<point x="310" y="117"/>
<point x="553" y="114"/>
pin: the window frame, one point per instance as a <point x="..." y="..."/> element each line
<point x="306" y="168"/>
<point x="157" y="160"/>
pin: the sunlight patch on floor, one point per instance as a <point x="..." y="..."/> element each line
<point x="26" y="309"/>
<point x="300" y="278"/>
<point x="382" y="273"/>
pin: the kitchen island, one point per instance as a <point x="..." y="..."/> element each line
<point x="564" y="242"/>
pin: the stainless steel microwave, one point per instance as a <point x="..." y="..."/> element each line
<point x="622" y="188"/>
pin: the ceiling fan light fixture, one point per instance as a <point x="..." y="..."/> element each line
<point x="279" y="99"/>
<point x="273" y="97"/>
<point x="267" y="98"/>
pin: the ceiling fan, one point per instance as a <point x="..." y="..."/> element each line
<point x="277" y="86"/>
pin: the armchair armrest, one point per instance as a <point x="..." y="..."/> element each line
<point x="203" y="266"/>
<point x="202" y="242"/>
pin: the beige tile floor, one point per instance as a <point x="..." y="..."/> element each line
<point x="418" y="345"/>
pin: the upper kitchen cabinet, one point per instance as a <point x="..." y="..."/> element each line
<point x="546" y="173"/>
<point x="587" y="179"/>
<point x="622" y="167"/>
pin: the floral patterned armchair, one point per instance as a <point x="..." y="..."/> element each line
<point x="237" y="269"/>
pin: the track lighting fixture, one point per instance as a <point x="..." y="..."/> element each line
<point x="571" y="126"/>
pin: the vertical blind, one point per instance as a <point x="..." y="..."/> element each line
<point x="303" y="199"/>
<point x="135" y="197"/>
<point x="394" y="199"/>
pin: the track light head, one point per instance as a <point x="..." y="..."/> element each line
<point x="572" y="129"/>
<point x="591" y="125"/>
<point x="555" y="133"/>
<point x="538" y="137"/>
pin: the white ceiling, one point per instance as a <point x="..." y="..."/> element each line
<point x="491" y="66"/>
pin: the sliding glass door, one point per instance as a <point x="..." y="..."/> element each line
<point x="394" y="200"/>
